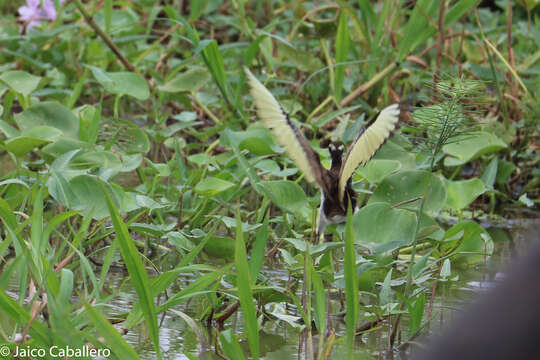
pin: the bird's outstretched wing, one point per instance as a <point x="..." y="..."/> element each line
<point x="287" y="134"/>
<point x="367" y="143"/>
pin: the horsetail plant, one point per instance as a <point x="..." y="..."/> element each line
<point x="455" y="101"/>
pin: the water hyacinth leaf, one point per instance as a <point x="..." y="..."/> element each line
<point x="381" y="228"/>
<point x="462" y="193"/>
<point x="256" y="141"/>
<point x="22" y="145"/>
<point x="220" y="247"/>
<point x="287" y="195"/>
<point x="212" y="186"/>
<point x="62" y="146"/>
<point x="302" y="60"/>
<point x="376" y="170"/>
<point x="408" y="185"/>
<point x="490" y="173"/>
<point x="504" y="171"/>
<point x="89" y="197"/>
<point x="475" y="243"/>
<point x="473" y="146"/>
<point x="122" y="83"/>
<point x="8" y="130"/>
<point x="189" y="81"/>
<point x="114" y="340"/>
<point x="49" y="113"/>
<point x="20" y="81"/>
<point x="391" y="150"/>
<point x="271" y="167"/>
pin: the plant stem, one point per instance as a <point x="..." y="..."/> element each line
<point x="90" y="20"/>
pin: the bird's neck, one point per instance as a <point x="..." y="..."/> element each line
<point x="336" y="161"/>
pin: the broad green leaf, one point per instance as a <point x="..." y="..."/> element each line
<point x="51" y="114"/>
<point x="22" y="145"/>
<point x="473" y="146"/>
<point x="122" y="83"/>
<point x="376" y="170"/>
<point x="462" y="193"/>
<point x="189" y="81"/>
<point x="287" y="195"/>
<point x="302" y="60"/>
<point x="381" y="228"/>
<point x="475" y="243"/>
<point x="20" y="81"/>
<point x="212" y="186"/>
<point x="490" y="173"/>
<point x="411" y="184"/>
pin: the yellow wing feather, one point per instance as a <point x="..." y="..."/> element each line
<point x="367" y="144"/>
<point x="285" y="132"/>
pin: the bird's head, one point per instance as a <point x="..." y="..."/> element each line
<point x="336" y="151"/>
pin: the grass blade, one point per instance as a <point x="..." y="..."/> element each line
<point x="351" y="285"/>
<point x="342" y="52"/>
<point x="245" y="295"/>
<point x="114" y="341"/>
<point x="136" y="270"/>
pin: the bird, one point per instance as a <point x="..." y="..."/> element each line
<point x="335" y="183"/>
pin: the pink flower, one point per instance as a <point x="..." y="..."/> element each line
<point x="35" y="11"/>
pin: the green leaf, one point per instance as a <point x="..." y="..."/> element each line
<point x="351" y="285"/>
<point x="287" y="195"/>
<point x="136" y="270"/>
<point x="381" y="228"/>
<point x="212" y="186"/>
<point x="376" y="170"/>
<point x="114" y="340"/>
<point x="20" y="81"/>
<point x="230" y="345"/>
<point x="473" y="146"/>
<point x="51" y="114"/>
<point x="22" y="145"/>
<point x="490" y="173"/>
<point x="411" y="184"/>
<point x="320" y="300"/>
<point x="122" y="83"/>
<point x="214" y="61"/>
<point x="474" y="241"/>
<point x="257" y="253"/>
<point x="342" y="52"/>
<point x="462" y="193"/>
<point x="245" y="295"/>
<point x="189" y="81"/>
